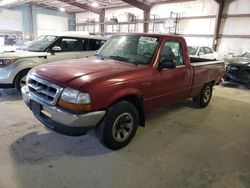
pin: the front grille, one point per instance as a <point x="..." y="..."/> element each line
<point x="44" y="90"/>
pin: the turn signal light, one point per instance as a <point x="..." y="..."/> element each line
<point x="74" y="107"/>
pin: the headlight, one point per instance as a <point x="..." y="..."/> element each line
<point x="75" y="97"/>
<point x="5" y="62"/>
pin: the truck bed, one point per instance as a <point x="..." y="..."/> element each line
<point x="206" y="71"/>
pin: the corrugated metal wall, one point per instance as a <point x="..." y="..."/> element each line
<point x="197" y="22"/>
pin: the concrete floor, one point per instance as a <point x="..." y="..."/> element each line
<point x="181" y="147"/>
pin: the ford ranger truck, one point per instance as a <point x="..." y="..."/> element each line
<point x="110" y="92"/>
<point x="14" y="65"/>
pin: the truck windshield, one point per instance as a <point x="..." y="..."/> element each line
<point x="192" y="50"/>
<point x="132" y="49"/>
<point x="41" y="43"/>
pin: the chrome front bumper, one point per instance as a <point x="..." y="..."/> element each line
<point x="60" y="120"/>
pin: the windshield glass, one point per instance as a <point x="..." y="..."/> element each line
<point x="192" y="50"/>
<point x="41" y="43"/>
<point x="247" y="55"/>
<point x="132" y="49"/>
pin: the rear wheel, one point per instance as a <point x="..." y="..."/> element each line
<point x="20" y="80"/>
<point x="119" y="126"/>
<point x="205" y="95"/>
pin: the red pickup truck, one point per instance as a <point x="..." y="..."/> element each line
<point x="129" y="75"/>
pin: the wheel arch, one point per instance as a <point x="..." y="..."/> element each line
<point x="138" y="102"/>
<point x="24" y="66"/>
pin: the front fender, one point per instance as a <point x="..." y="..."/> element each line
<point x="122" y="94"/>
<point x="23" y="64"/>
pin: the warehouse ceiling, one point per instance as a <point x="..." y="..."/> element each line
<point x="67" y="5"/>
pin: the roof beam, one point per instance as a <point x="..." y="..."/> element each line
<point x="146" y="11"/>
<point x="138" y="4"/>
<point x="218" y="23"/>
<point x="82" y="6"/>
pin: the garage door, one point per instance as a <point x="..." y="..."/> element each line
<point x="48" y="24"/>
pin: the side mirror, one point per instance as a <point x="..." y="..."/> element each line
<point x="168" y="64"/>
<point x="56" y="49"/>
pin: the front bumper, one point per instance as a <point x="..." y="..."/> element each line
<point x="61" y="121"/>
<point x="236" y="78"/>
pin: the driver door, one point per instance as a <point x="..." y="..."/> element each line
<point x="70" y="49"/>
<point x="172" y="84"/>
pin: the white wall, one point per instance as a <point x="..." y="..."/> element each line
<point x="237" y="7"/>
<point x="48" y="24"/>
<point x="190" y="26"/>
<point x="190" y="8"/>
<point x="235" y="26"/>
<point x="199" y="41"/>
<point x="197" y="26"/>
<point x="120" y="14"/>
<point x="234" y="46"/>
<point x="83" y="17"/>
<point x="11" y="20"/>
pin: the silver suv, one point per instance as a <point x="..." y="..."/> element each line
<point x="14" y="66"/>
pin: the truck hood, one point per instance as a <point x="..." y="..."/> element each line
<point x="21" y="54"/>
<point x="76" y="72"/>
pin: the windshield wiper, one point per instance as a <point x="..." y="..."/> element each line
<point x="100" y="56"/>
<point x="119" y="58"/>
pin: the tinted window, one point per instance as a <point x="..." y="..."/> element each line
<point x="201" y="51"/>
<point x="208" y="50"/>
<point x="41" y="43"/>
<point x="172" y="51"/>
<point x="192" y="50"/>
<point x="69" y="44"/>
<point x="92" y="44"/>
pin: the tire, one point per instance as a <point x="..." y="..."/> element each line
<point x="120" y="118"/>
<point x="20" y="79"/>
<point x="205" y="95"/>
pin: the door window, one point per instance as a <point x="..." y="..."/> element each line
<point x="201" y="51"/>
<point x="172" y="51"/>
<point x="208" y="50"/>
<point x="92" y="44"/>
<point x="69" y="44"/>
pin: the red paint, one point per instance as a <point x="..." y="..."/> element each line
<point x="108" y="80"/>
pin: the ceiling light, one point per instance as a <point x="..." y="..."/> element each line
<point x="95" y="4"/>
<point x="62" y="9"/>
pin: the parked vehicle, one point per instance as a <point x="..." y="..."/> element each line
<point x="238" y="69"/>
<point x="202" y="52"/>
<point x="111" y="92"/>
<point x="15" y="65"/>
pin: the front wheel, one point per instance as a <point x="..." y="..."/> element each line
<point x="119" y="125"/>
<point x="20" y="80"/>
<point x="205" y="95"/>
